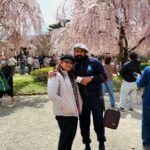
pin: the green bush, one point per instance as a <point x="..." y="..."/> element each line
<point x="143" y="65"/>
<point x="41" y="74"/>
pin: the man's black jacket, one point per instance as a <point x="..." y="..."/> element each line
<point x="128" y="69"/>
<point x="87" y="68"/>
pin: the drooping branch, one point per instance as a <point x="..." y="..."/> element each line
<point x="140" y="42"/>
<point x="21" y="17"/>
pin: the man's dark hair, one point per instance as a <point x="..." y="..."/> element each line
<point x="133" y="55"/>
<point x="107" y="60"/>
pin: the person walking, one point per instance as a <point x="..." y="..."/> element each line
<point x="30" y="64"/>
<point x="144" y="81"/>
<point x="7" y="71"/>
<point x="22" y="64"/>
<point x="12" y="62"/>
<point x="129" y="87"/>
<point x="110" y="70"/>
<point x="88" y="71"/>
<point x="67" y="103"/>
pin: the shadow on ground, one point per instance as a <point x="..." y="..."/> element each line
<point x="22" y="102"/>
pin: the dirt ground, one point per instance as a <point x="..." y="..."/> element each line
<point x="31" y="126"/>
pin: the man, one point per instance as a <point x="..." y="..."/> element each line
<point x="144" y="81"/>
<point x="129" y="87"/>
<point x="88" y="71"/>
<point x="22" y="64"/>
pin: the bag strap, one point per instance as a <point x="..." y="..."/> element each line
<point x="103" y="79"/>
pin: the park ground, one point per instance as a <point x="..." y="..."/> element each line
<point x="31" y="126"/>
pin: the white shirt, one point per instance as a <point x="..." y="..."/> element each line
<point x="12" y="61"/>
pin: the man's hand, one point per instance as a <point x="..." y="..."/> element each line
<point x="138" y="75"/>
<point x="86" y="80"/>
<point x="52" y="74"/>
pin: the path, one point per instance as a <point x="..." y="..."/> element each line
<point x="31" y="126"/>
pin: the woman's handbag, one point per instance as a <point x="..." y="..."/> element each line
<point x="112" y="116"/>
<point x="3" y="83"/>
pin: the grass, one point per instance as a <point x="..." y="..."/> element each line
<point x="117" y="83"/>
<point x="25" y="85"/>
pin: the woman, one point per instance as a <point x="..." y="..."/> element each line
<point x="110" y="70"/>
<point x="67" y="104"/>
<point x="8" y="73"/>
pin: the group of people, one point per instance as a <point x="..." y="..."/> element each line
<point x="37" y="62"/>
<point x="77" y="90"/>
<point x="32" y="63"/>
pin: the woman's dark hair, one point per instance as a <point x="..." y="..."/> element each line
<point x="107" y="60"/>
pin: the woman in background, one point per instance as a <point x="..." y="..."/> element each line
<point x="110" y="70"/>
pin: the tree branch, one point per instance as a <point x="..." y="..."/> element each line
<point x="140" y="42"/>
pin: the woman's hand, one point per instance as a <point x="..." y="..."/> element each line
<point x="52" y="74"/>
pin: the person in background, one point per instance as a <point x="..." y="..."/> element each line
<point x="12" y="62"/>
<point x="8" y="73"/>
<point x="30" y="64"/>
<point x="110" y="70"/>
<point x="46" y="61"/>
<point x="144" y="81"/>
<point x="67" y="104"/>
<point x="36" y="63"/>
<point x="54" y="60"/>
<point x="41" y="61"/>
<point x="23" y="61"/>
<point x="129" y="87"/>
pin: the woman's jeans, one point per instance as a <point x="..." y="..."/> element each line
<point x="111" y="88"/>
<point x="146" y="126"/>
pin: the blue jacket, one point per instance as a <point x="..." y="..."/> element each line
<point x="90" y="67"/>
<point x="144" y="81"/>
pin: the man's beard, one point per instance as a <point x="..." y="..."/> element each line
<point x="80" y="58"/>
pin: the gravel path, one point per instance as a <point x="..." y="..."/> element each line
<point x="31" y="126"/>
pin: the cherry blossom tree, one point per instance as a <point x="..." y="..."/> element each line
<point x="116" y="26"/>
<point x="18" y="19"/>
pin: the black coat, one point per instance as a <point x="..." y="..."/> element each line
<point x="128" y="70"/>
<point x="87" y="68"/>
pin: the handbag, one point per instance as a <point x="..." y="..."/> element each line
<point x="111" y="116"/>
<point x="3" y="83"/>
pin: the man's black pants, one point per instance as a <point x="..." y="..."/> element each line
<point x="68" y="128"/>
<point x="92" y="105"/>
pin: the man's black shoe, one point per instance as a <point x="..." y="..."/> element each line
<point x="87" y="148"/>
<point x="101" y="147"/>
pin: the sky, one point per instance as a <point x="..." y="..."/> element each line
<point x="49" y="9"/>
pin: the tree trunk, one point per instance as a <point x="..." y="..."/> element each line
<point x="123" y="46"/>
